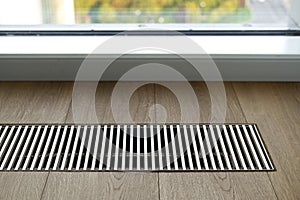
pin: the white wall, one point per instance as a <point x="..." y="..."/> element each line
<point x="20" y="12"/>
<point x="58" y="11"/>
<point x="295" y="11"/>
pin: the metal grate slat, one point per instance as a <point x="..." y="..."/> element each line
<point x="232" y="154"/>
<point x="160" y="158"/>
<point x="8" y="153"/>
<point x="24" y="148"/>
<point x="69" y="137"/>
<point x="117" y="148"/>
<point x="3" y="134"/>
<point x="124" y="147"/>
<point x="81" y="148"/>
<point x="197" y="157"/>
<point x="60" y="148"/>
<point x="88" y="150"/>
<point x="145" y="135"/>
<point x="237" y="146"/>
<point x="212" y="160"/>
<point x="4" y="146"/>
<point x="102" y="148"/>
<point x="167" y="154"/>
<point x="181" y="148"/>
<point x="50" y="158"/>
<point x="191" y="167"/>
<point x="257" y="162"/>
<point x="138" y="147"/>
<point x="95" y="153"/>
<point x="40" y="146"/>
<point x="32" y="146"/>
<point x="74" y="148"/>
<point x="152" y="147"/>
<point x="110" y="142"/>
<point x="264" y="151"/>
<point x="244" y="148"/>
<point x="223" y="148"/>
<point x="17" y="149"/>
<point x="174" y="147"/>
<point x="212" y="133"/>
<point x="203" y="153"/>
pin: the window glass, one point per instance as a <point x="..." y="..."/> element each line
<point x="209" y="13"/>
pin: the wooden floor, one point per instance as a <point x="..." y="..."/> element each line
<point x="275" y="107"/>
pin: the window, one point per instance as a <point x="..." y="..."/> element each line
<point x="236" y="33"/>
<point x="124" y="14"/>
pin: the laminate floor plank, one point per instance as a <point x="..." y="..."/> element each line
<point x="275" y="108"/>
<point x="220" y="185"/>
<point x="104" y="185"/>
<point x="30" y="102"/>
<point x="34" y="102"/>
<point x="22" y="185"/>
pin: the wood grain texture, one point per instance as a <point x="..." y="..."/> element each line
<point x="93" y="185"/>
<point x="139" y="104"/>
<point x="215" y="186"/>
<point x="22" y="185"/>
<point x="30" y="102"/>
<point x="34" y="102"/>
<point x="210" y="185"/>
<point x="118" y="185"/>
<point x="275" y="108"/>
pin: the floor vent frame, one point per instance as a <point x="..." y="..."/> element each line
<point x="149" y="147"/>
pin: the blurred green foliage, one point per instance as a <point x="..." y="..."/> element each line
<point x="161" y="11"/>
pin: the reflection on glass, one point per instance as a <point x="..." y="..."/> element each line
<point x="161" y="11"/>
<point x="143" y="11"/>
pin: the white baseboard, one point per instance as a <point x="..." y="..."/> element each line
<point x="43" y="68"/>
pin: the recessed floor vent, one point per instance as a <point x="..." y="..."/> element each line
<point x="190" y="147"/>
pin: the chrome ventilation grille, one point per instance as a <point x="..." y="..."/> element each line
<point x="191" y="147"/>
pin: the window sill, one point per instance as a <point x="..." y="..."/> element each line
<point x="216" y="46"/>
<point x="239" y="58"/>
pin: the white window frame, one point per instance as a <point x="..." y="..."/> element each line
<point x="241" y="58"/>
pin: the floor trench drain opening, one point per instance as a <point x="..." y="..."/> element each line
<point x="190" y="147"/>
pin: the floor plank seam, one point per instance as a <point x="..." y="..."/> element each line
<point x="65" y="121"/>
<point x="272" y="186"/>
<point x="45" y="186"/>
<point x="68" y="111"/>
<point x="158" y="186"/>
<point x="155" y="100"/>
<point x="239" y="103"/>
<point x="155" y="119"/>
<point x="246" y="119"/>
